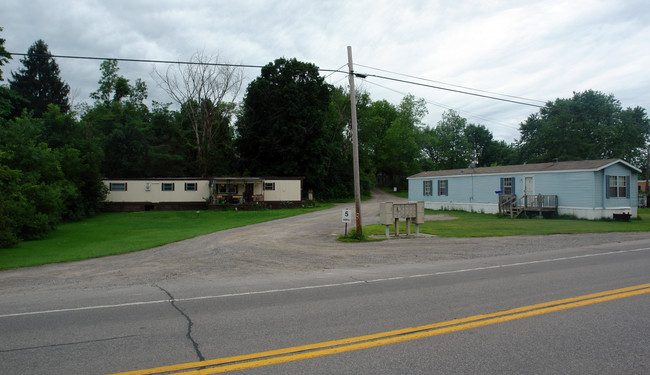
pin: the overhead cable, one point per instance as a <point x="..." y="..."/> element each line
<point x="453" y="85"/>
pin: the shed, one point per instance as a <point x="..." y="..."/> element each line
<point x="589" y="189"/>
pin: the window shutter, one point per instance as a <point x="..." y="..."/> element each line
<point x="424" y="188"/>
<point x="438" y="187"/>
<point x="447" y="190"/>
<point x="513" y="185"/>
<point x="627" y="186"/>
<point x="607" y="194"/>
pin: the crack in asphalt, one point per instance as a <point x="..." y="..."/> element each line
<point x="188" y="334"/>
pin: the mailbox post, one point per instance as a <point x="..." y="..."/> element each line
<point x="390" y="213"/>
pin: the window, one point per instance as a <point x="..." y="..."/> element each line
<point x="617" y="187"/>
<point x="442" y="187"/>
<point x="167" y="186"/>
<point x="190" y="186"/>
<point x="507" y="185"/>
<point x="227" y="189"/>
<point x="269" y="186"/>
<point x="117" y="186"/>
<point x="427" y="188"/>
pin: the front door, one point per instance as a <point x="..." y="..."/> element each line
<point x="529" y="185"/>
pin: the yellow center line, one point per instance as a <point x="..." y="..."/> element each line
<point x="390" y="337"/>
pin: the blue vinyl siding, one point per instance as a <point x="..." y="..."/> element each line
<point x="574" y="189"/>
<point x="631" y="199"/>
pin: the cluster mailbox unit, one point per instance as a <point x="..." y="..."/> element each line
<point x="390" y="213"/>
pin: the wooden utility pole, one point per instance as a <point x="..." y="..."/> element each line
<point x="647" y="177"/>
<point x="355" y="144"/>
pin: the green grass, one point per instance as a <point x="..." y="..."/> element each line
<point x="470" y="224"/>
<point x="124" y="232"/>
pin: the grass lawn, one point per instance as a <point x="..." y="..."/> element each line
<point x="470" y="224"/>
<point x="124" y="232"/>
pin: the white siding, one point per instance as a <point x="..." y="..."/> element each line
<point x="285" y="190"/>
<point x="151" y="191"/>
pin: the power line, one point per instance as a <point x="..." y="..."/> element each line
<point x="261" y="66"/>
<point x="454" y="90"/>
<point x="453" y="85"/>
<point x="495" y="122"/>
<point x="156" y="61"/>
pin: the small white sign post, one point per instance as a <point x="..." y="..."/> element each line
<point x="346" y="218"/>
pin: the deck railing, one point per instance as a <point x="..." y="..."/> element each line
<point x="538" y="202"/>
<point x="509" y="204"/>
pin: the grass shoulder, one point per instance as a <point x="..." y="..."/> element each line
<point x="468" y="224"/>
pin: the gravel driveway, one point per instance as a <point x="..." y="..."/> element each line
<point x="301" y="243"/>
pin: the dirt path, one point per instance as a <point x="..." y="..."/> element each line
<point x="301" y="243"/>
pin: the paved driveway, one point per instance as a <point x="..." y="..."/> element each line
<point x="301" y="243"/>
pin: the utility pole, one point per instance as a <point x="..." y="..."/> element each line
<point x="355" y="144"/>
<point x="647" y="177"/>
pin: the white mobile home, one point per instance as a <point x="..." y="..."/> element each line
<point x="193" y="193"/>
<point x="589" y="189"/>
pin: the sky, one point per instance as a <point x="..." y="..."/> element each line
<point x="526" y="51"/>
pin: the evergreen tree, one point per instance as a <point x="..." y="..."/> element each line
<point x="39" y="81"/>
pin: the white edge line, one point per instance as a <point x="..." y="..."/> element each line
<point x="271" y="291"/>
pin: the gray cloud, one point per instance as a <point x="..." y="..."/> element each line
<point x="535" y="49"/>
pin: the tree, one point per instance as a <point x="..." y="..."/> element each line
<point x="206" y="91"/>
<point x="399" y="152"/>
<point x="4" y="55"/>
<point x="39" y="81"/>
<point x="118" y="122"/>
<point x="282" y="128"/>
<point x="447" y="144"/>
<point x="169" y="137"/>
<point x="486" y="150"/>
<point x="590" y="125"/>
<point x="114" y="88"/>
<point x="31" y="183"/>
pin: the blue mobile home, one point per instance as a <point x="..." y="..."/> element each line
<point x="589" y="189"/>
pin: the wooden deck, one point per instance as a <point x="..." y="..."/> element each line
<point x="538" y="204"/>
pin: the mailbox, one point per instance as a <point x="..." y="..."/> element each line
<point x="419" y="216"/>
<point x="386" y="213"/>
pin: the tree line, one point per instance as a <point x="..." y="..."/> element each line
<point x="290" y="122"/>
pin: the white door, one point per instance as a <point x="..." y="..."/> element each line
<point x="529" y="185"/>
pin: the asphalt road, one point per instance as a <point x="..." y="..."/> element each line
<point x="113" y="329"/>
<point x="288" y="284"/>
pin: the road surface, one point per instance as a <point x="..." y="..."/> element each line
<point x="290" y="285"/>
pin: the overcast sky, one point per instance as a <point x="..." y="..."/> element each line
<point x="539" y="50"/>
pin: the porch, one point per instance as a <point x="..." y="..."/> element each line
<point x="538" y="204"/>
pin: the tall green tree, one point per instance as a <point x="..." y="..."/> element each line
<point x="39" y="81"/>
<point x="590" y="125"/>
<point x="118" y="121"/>
<point x="399" y="153"/>
<point x="447" y="145"/>
<point x="170" y="144"/>
<point x="282" y="124"/>
<point x="486" y="150"/>
<point x="4" y="55"/>
<point x="32" y="184"/>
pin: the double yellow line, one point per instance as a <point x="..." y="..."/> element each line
<point x="296" y="353"/>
